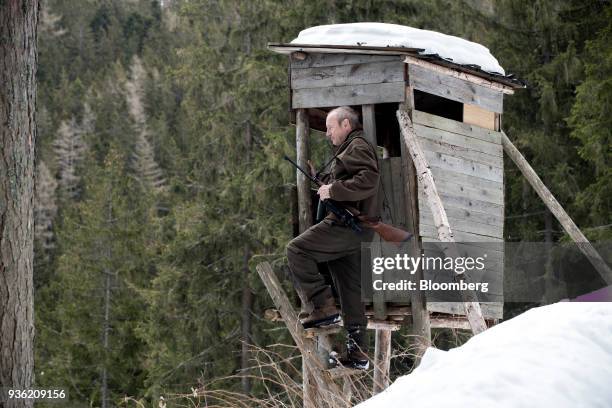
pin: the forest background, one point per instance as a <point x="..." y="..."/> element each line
<point x="159" y="174"/>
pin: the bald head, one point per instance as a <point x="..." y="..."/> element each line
<point x="340" y="122"/>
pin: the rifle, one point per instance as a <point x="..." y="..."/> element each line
<point x="387" y="232"/>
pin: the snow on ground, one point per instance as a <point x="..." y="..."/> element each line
<point x="448" y="47"/>
<point x="553" y="356"/>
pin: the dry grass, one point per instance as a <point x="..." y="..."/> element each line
<point x="276" y="378"/>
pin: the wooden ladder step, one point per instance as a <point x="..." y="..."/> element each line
<point x="339" y="372"/>
<point x="322" y="331"/>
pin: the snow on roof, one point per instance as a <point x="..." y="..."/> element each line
<point x="448" y="47"/>
<point x="553" y="356"/>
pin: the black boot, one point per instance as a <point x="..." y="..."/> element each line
<point x="356" y="355"/>
<point x="325" y="312"/>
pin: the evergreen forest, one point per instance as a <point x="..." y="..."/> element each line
<point x="160" y="181"/>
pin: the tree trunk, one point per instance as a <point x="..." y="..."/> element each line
<point x="18" y="21"/>
<point x="107" y="275"/>
<point x="247" y="312"/>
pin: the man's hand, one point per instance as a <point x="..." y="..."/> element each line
<point x="313" y="171"/>
<point x="324" y="191"/>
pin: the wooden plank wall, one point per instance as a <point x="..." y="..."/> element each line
<point x="394" y="213"/>
<point x="457" y="89"/>
<point x="324" y="80"/>
<point x="467" y="165"/>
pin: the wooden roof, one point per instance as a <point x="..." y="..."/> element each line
<point x="506" y="80"/>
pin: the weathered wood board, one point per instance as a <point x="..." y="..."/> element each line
<point x="429" y="231"/>
<point x="466" y="162"/>
<point x="343" y="75"/>
<point x="467" y="188"/>
<point x="325" y="80"/>
<point x="462" y="166"/>
<point x="394" y="212"/>
<point x="492" y="310"/>
<point x="458" y="141"/>
<point x="475" y="115"/>
<point x="348" y="95"/>
<point x="454" y="126"/>
<point x="456" y="89"/>
<point x="446" y="147"/>
<point x="313" y="59"/>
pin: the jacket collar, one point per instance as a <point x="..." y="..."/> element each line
<point x="354" y="133"/>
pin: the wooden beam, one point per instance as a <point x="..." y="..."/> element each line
<point x="369" y="123"/>
<point x="450" y="323"/>
<point x="339" y="49"/>
<point x="343" y="75"/>
<point x="314" y="60"/>
<point x="347" y="95"/>
<point x="471" y="305"/>
<point x="382" y="359"/>
<point x="321" y="331"/>
<point x="309" y="388"/>
<point x="328" y="390"/>
<point x="347" y="388"/>
<point x="369" y="132"/>
<point x="553" y="205"/>
<point x="340" y="372"/>
<point x="461" y="75"/>
<point x="421" y="325"/>
<point x="304" y="204"/>
<point x="303" y="184"/>
<point x="384" y="325"/>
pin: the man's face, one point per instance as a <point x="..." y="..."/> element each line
<point x="336" y="131"/>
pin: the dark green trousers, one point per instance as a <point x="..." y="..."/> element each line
<point x="340" y="247"/>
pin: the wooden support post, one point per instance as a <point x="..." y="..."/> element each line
<point x="302" y="132"/>
<point x="553" y="205"/>
<point x="326" y="390"/>
<point x="470" y="302"/>
<point x="309" y="388"/>
<point x="324" y="346"/>
<point x="303" y="184"/>
<point x="369" y="132"/>
<point x="369" y="123"/>
<point x="421" y="325"/>
<point x="382" y="356"/>
<point x="347" y="389"/>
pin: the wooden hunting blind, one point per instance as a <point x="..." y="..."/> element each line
<point x="456" y="114"/>
<point x="437" y="126"/>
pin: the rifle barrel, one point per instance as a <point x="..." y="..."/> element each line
<point x="310" y="177"/>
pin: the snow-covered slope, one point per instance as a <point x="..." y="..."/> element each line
<point x="448" y="47"/>
<point x="554" y="356"/>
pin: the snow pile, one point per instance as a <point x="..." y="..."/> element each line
<point x="451" y="48"/>
<point x="553" y="356"/>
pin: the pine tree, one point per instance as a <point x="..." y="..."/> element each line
<point x="591" y="121"/>
<point x="45" y="208"/>
<point x="97" y="307"/>
<point x="145" y="166"/>
<point x="70" y="149"/>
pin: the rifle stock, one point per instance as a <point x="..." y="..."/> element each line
<point x="387" y="232"/>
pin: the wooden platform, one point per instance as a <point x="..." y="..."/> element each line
<point x="397" y="317"/>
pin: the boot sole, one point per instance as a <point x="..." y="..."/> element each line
<point x="335" y="362"/>
<point x="326" y="321"/>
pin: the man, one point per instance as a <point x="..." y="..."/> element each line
<point x="352" y="180"/>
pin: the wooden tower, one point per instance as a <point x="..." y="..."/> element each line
<point x="438" y="128"/>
